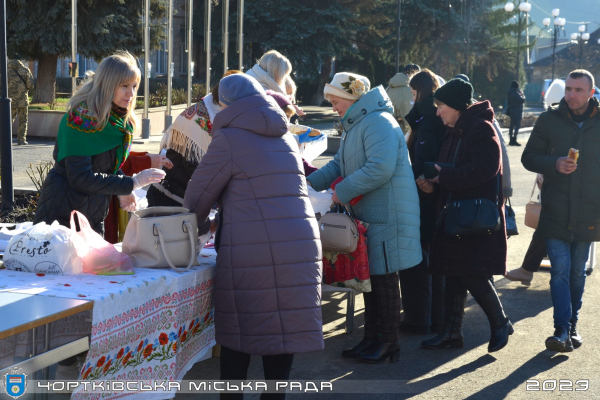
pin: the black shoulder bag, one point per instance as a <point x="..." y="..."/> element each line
<point x="469" y="217"/>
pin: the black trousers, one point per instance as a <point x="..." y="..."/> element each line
<point x="535" y="254"/>
<point x="422" y="293"/>
<point x="234" y="367"/>
<point x="515" y="125"/>
<point x="477" y="285"/>
<point x="382" y="308"/>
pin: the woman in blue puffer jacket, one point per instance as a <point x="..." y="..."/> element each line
<point x="373" y="160"/>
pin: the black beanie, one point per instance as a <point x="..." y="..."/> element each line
<point x="514" y="84"/>
<point x="456" y="93"/>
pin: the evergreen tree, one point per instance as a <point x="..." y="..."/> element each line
<point x="308" y="32"/>
<point x="41" y="30"/>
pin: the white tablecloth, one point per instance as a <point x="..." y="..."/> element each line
<point x="153" y="325"/>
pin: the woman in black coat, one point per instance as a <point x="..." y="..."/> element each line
<point x="93" y="142"/>
<point x="422" y="293"/>
<point x="468" y="262"/>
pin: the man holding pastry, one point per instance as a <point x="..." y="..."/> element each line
<point x="565" y="147"/>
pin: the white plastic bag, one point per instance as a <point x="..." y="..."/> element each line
<point x="311" y="150"/>
<point x="7" y="234"/>
<point x="321" y="201"/>
<point x="43" y="248"/>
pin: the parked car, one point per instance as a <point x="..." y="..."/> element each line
<point x="556" y="94"/>
<point x="597" y="93"/>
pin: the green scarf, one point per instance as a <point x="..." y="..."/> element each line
<point x="78" y="135"/>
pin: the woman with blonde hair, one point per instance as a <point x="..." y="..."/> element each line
<point x="271" y="71"/>
<point x="93" y="142"/>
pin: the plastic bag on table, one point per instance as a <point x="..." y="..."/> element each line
<point x="310" y="151"/>
<point x="98" y="256"/>
<point x="6" y="233"/>
<point x="349" y="270"/>
<point x="44" y="249"/>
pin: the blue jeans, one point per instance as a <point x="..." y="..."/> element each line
<point x="567" y="278"/>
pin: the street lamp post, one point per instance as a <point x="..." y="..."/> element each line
<point x="170" y="67"/>
<point x="8" y="194"/>
<point x="207" y="38"/>
<point x="241" y="34"/>
<point x="524" y="8"/>
<point x="559" y="24"/>
<point x="190" y="64"/>
<point x="582" y="38"/>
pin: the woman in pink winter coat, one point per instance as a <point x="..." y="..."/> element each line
<point x="267" y="286"/>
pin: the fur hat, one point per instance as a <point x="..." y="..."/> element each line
<point x="463" y="77"/>
<point x="456" y="93"/>
<point x="238" y="86"/>
<point x="347" y="86"/>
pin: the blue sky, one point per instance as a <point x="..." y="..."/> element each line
<point x="574" y="11"/>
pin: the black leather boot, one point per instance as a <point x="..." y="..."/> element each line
<point x="561" y="341"/>
<point x="451" y="336"/>
<point x="380" y="352"/>
<point x="499" y="323"/>
<point x="576" y="338"/>
<point x="364" y="345"/>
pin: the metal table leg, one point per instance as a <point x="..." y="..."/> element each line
<point x="34" y="352"/>
<point x="350" y="312"/>
<point x="46" y="371"/>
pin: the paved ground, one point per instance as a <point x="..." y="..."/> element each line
<point x="469" y="373"/>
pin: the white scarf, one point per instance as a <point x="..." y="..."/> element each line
<point x="185" y="136"/>
<point x="264" y="79"/>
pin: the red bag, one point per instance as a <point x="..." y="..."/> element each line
<point x="349" y="266"/>
<point x="351" y="202"/>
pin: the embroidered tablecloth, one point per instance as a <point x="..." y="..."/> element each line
<point x="153" y="325"/>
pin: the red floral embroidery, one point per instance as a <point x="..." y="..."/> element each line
<point x="148" y="350"/>
<point x="120" y="353"/>
<point x="140" y="345"/>
<point x="184" y="336"/>
<point x="101" y="361"/>
<point x="107" y="366"/>
<point x="163" y="339"/>
<point x="41" y="274"/>
<point x="87" y="373"/>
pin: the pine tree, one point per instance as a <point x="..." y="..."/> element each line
<point x="41" y="30"/>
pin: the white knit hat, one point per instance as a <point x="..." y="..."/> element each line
<point x="348" y="86"/>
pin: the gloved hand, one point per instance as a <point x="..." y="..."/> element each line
<point x="159" y="161"/>
<point x="127" y="202"/>
<point x="307" y="138"/>
<point x="147" y="176"/>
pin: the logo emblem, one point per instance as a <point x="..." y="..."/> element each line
<point x="15" y="383"/>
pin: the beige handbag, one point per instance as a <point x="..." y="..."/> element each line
<point x="162" y="237"/>
<point x="338" y="230"/>
<point x="533" y="210"/>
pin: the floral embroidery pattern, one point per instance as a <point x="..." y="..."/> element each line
<point x="163" y="348"/>
<point x="79" y="118"/>
<point x="355" y="86"/>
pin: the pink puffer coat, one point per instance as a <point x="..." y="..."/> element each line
<point x="267" y="290"/>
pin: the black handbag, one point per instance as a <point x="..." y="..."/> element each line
<point x="511" y="221"/>
<point x="469" y="217"/>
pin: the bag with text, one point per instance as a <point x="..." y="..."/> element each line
<point x="44" y="249"/>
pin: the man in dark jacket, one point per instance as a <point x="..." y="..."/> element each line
<point x="570" y="192"/>
<point x="516" y="99"/>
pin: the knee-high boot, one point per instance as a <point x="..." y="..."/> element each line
<point x="499" y="323"/>
<point x="454" y="312"/>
